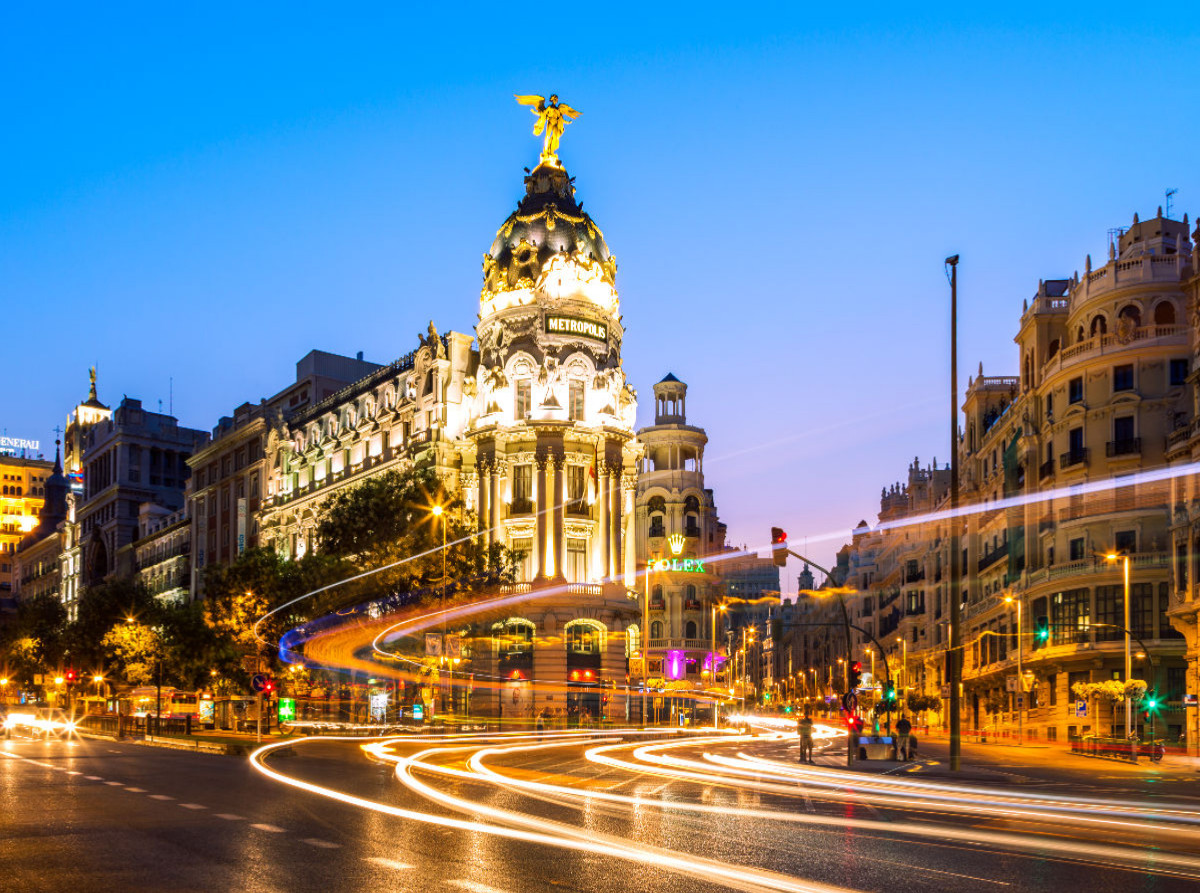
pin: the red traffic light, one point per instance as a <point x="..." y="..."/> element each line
<point x="854" y="723"/>
<point x="70" y="675"/>
<point x="778" y="536"/>
<point x="269" y="685"/>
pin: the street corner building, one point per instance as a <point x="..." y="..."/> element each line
<point x="1083" y="459"/>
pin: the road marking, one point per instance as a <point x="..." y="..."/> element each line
<point x="388" y="863"/>
<point x="274" y="829"/>
<point x="192" y="806"/>
<point x="136" y="790"/>
<point x="161" y="797"/>
<point x="117" y="783"/>
<point x="323" y="844"/>
<point x="73" y="772"/>
<point x="230" y="817"/>
<point x="93" y="778"/>
<point x="475" y="886"/>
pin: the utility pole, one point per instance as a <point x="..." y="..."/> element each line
<point x="953" y="657"/>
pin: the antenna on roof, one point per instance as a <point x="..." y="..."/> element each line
<point x="171" y="395"/>
<point x="1170" y="192"/>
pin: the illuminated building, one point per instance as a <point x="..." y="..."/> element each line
<point x="677" y="533"/>
<point x="126" y="458"/>
<point x="38" y="571"/>
<point x="162" y="552"/>
<point x="230" y="477"/>
<point x="1104" y="361"/>
<point x="21" y="498"/>
<point x="1183" y="447"/>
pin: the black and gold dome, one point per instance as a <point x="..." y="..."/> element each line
<point x="548" y="223"/>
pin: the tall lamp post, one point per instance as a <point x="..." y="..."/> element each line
<point x="713" y="665"/>
<point x="954" y="655"/>
<point x="1124" y="559"/>
<point x="1020" y="672"/>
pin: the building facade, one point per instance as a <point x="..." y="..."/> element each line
<point x="1054" y="465"/>
<point x="22" y="495"/>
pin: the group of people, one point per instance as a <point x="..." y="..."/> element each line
<point x="906" y="742"/>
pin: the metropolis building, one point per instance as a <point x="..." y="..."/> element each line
<point x="532" y="420"/>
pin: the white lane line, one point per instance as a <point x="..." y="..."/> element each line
<point x="136" y="790"/>
<point x="231" y="817"/>
<point x="161" y="797"/>
<point x="323" y="844"/>
<point x="274" y="829"/>
<point x="388" y="863"/>
<point x="116" y="783"/>
<point x="193" y="806"/>
<point x="93" y="778"/>
<point x="475" y="886"/>
<point x="73" y="772"/>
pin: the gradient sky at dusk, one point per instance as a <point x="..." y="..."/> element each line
<point x="207" y="195"/>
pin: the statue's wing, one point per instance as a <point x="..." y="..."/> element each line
<point x="568" y="111"/>
<point x="539" y="125"/>
<point x="538" y="102"/>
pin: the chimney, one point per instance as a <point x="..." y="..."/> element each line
<point x="358" y="356"/>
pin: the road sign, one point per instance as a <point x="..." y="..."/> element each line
<point x="287" y="709"/>
<point x="418" y="712"/>
<point x="945" y="692"/>
<point x="1081" y="707"/>
<point x="850" y="702"/>
<point x="1012" y="683"/>
<point x="258" y="682"/>
<point x="454" y="647"/>
<point x="1189" y="700"/>
<point x="433" y="644"/>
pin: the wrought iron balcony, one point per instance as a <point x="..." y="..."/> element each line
<point x="1130" y="446"/>
<point x="1046" y="470"/>
<point x="1074" y="457"/>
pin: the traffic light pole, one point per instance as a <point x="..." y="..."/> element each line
<point x="953" y="655"/>
<point x="849" y="645"/>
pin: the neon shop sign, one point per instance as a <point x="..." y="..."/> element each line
<point x="678" y="565"/>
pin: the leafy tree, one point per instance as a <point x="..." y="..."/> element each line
<point x="35" y="642"/>
<point x="101" y="608"/>
<point x="390" y="520"/>
<point x="135" y="649"/>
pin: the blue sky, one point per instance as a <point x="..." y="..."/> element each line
<point x="207" y="195"/>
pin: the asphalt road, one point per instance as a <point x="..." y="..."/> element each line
<point x="97" y="816"/>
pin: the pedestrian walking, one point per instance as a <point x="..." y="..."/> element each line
<point x="541" y="722"/>
<point x="804" y="728"/>
<point x="903" y="731"/>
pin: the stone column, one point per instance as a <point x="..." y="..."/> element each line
<point x="540" y="541"/>
<point x="483" y="468"/>
<point x="494" y="501"/>
<point x="557" y="532"/>
<point x="614" y="533"/>
<point x="600" y="540"/>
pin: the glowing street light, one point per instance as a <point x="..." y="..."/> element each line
<point x="1124" y="559"/>
<point x="1009" y="599"/>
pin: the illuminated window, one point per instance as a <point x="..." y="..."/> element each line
<point x="524" y="399"/>
<point x="576" y="569"/>
<point x="522" y="489"/>
<point x="585" y="637"/>
<point x="575" y="402"/>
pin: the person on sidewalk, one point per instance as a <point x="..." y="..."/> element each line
<point x="804" y="728"/>
<point x="541" y="722"/>
<point x="903" y="731"/>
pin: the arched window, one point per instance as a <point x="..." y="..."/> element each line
<point x="1164" y="314"/>
<point x="656" y="629"/>
<point x="691" y="504"/>
<point x="1053" y="350"/>
<point x="633" y="640"/>
<point x="656" y="505"/>
<point x="689" y="630"/>
<point x="1132" y="314"/>
<point x="585" y="637"/>
<point x="1079" y="335"/>
<point x="1099" y="325"/>
<point x="513" y="636"/>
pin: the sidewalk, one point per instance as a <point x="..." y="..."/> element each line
<point x="211" y="741"/>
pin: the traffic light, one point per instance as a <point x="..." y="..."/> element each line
<point x="70" y="674"/>
<point x="779" y="546"/>
<point x="853" y="723"/>
<point x="1041" y="631"/>
<point x="1150" y="703"/>
<point x="268" y="686"/>
<point x="889" y="695"/>
<point x="855" y="681"/>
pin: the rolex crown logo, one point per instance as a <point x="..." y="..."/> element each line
<point x="675" y="541"/>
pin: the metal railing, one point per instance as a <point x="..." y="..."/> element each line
<point x="1127" y="447"/>
<point x="1074" y="457"/>
<point x="1105" y="748"/>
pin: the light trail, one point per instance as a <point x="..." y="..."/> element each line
<point x="530" y="829"/>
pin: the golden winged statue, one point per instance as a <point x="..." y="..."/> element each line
<point x="552" y="117"/>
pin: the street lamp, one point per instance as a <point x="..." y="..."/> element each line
<point x="1113" y="556"/>
<point x="713" y="663"/>
<point x="1020" y="673"/>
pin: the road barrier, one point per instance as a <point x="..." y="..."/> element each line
<point x="1124" y="749"/>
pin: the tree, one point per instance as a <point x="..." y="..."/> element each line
<point x="34" y="643"/>
<point x="389" y="520"/>
<point x="101" y="608"/>
<point x="135" y="650"/>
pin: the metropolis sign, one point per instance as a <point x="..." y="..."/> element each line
<point x="574" y="325"/>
